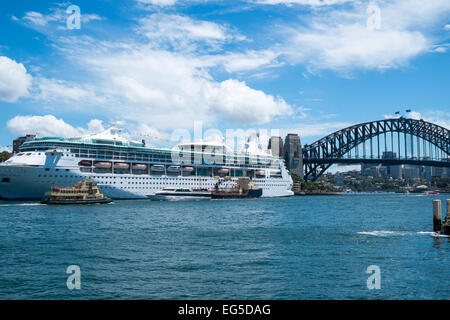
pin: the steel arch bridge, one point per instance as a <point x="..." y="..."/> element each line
<point x="387" y="142"/>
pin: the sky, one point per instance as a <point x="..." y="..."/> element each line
<point x="157" y="66"/>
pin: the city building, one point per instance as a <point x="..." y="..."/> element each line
<point x="438" y="172"/>
<point x="410" y="172"/>
<point x="276" y="145"/>
<point x="370" y="170"/>
<point x="293" y="154"/>
<point x="19" y="141"/>
<point x="392" y="171"/>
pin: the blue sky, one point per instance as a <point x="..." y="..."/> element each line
<point x="305" y="66"/>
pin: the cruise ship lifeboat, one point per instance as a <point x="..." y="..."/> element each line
<point x="188" y="169"/>
<point x="157" y="168"/>
<point x="139" y="166"/>
<point x="173" y="169"/>
<point x="223" y="170"/>
<point x="102" y="165"/>
<point x="260" y="172"/>
<point x="121" y="165"/>
<point x="85" y="163"/>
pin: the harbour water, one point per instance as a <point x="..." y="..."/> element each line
<point x="277" y="248"/>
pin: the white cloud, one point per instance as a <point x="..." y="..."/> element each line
<point x="88" y="17"/>
<point x="414" y="115"/>
<point x="183" y="33"/>
<point x="238" y="103"/>
<point x="95" y="125"/>
<point x="315" y="130"/>
<point x="61" y="91"/>
<point x="53" y="89"/>
<point x="437" y="117"/>
<point x="151" y="135"/>
<point x="37" y="18"/>
<point x="168" y="90"/>
<point x="339" y="39"/>
<point x="14" y="80"/>
<point x="313" y="3"/>
<point x="50" y="126"/>
<point x="249" y="60"/>
<point x="440" y="118"/>
<point x="5" y="148"/>
<point x="348" y="47"/>
<point x="161" y="3"/>
<point x="57" y="15"/>
<point x="447" y="27"/>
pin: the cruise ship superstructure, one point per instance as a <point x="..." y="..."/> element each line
<point x="126" y="169"/>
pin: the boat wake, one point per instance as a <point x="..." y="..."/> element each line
<point x="435" y="234"/>
<point x="20" y="204"/>
<point x="386" y="233"/>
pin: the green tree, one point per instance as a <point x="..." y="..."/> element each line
<point x="4" y="156"/>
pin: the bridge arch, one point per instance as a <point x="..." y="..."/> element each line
<point x="337" y="147"/>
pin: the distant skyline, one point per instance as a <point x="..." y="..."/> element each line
<point x="302" y="66"/>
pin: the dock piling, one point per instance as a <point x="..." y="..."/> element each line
<point x="448" y="209"/>
<point x="446" y="226"/>
<point x="437" y="215"/>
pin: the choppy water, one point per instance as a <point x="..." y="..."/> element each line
<point x="289" y="248"/>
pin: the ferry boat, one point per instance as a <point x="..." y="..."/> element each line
<point x="127" y="169"/>
<point x="84" y="192"/>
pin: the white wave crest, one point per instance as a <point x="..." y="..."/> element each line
<point x="434" y="234"/>
<point x="384" y="233"/>
<point x="21" y="204"/>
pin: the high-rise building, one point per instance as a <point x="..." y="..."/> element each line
<point x="19" y="141"/>
<point x="293" y="154"/>
<point x="392" y="171"/>
<point x="276" y="145"/>
<point x="410" y="172"/>
<point x="437" y="171"/>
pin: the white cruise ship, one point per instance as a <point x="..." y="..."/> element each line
<point x="130" y="170"/>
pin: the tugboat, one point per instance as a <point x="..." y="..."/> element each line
<point x="242" y="188"/>
<point x="84" y="192"/>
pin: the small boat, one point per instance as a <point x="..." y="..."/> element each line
<point x="260" y="172"/>
<point x="121" y="165"/>
<point x="139" y="166"/>
<point x="242" y="188"/>
<point x="84" y="192"/>
<point x="85" y="163"/>
<point x="223" y="171"/>
<point x="157" y="168"/>
<point x="102" y="164"/>
<point x="177" y="194"/>
<point x="173" y="169"/>
<point x="430" y="193"/>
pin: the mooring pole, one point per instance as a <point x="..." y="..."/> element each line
<point x="448" y="209"/>
<point x="446" y="226"/>
<point x="437" y="216"/>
